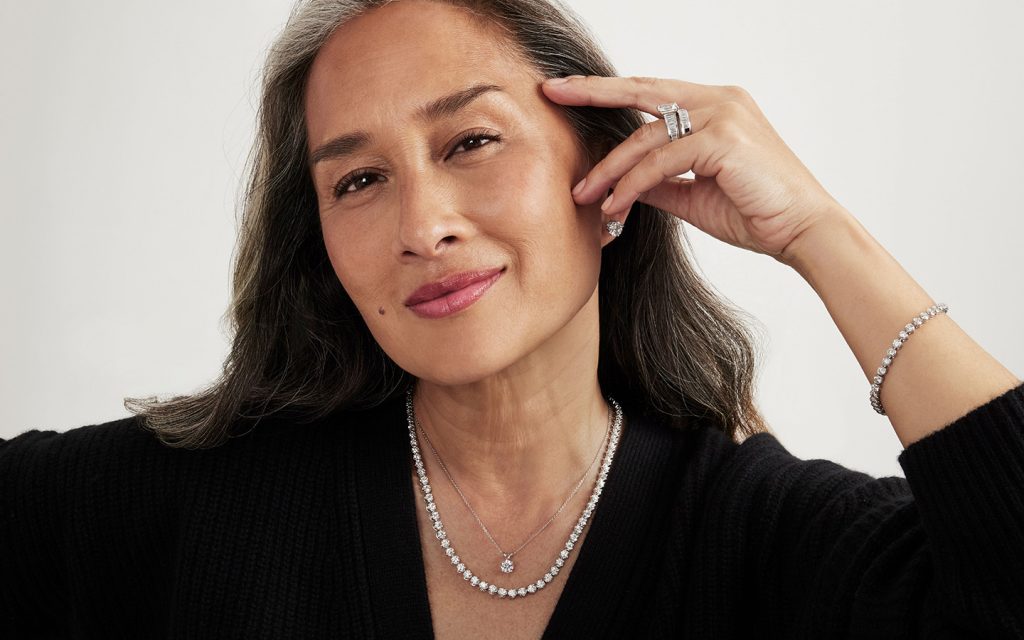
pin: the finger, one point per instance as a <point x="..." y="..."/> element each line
<point x="700" y="152"/>
<point x="634" y="92"/>
<point x="671" y="195"/>
<point x="628" y="153"/>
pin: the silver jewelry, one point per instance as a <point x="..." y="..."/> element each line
<point x="614" y="228"/>
<point x="876" y="385"/>
<point x="506" y="565"/>
<point x="677" y="120"/>
<point x="442" y="536"/>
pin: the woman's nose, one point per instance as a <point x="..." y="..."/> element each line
<point x="429" y="218"/>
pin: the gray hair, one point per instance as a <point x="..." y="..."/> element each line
<point x="670" y="348"/>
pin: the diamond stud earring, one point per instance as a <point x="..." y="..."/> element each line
<point x="614" y="228"/>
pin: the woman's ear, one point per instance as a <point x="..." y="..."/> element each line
<point x="602" y="148"/>
<point x="596" y="151"/>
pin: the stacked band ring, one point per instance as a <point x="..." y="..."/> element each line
<point x="676" y="119"/>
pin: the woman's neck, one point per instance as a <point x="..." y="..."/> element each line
<point x="525" y="434"/>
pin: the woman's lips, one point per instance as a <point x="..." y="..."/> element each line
<point x="454" y="301"/>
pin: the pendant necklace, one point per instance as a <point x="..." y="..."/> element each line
<point x="507" y="566"/>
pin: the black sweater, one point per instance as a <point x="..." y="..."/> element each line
<point x="309" y="531"/>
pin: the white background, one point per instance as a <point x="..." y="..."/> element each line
<point x="125" y="126"/>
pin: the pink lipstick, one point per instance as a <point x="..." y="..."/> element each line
<point x="452" y="294"/>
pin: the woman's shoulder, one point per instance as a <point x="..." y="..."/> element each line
<point x="697" y="452"/>
<point x="756" y="480"/>
<point x="51" y="473"/>
<point x="84" y="451"/>
<point x="760" y="474"/>
<point x="86" y="446"/>
<point x="126" y="449"/>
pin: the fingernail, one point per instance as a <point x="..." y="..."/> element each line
<point x="578" y="189"/>
<point x="607" y="203"/>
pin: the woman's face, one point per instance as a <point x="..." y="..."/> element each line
<point x="476" y="184"/>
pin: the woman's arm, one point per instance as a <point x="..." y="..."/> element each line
<point x="839" y="553"/>
<point x="834" y="553"/>
<point x="751" y="191"/>
<point x="940" y="373"/>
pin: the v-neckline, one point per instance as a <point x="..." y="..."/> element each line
<point x="613" y="557"/>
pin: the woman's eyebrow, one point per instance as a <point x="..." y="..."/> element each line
<point x="446" y="105"/>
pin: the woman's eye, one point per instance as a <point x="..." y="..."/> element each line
<point x="477" y="137"/>
<point x="358" y="180"/>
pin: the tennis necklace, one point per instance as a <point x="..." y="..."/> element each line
<point x="507" y="566"/>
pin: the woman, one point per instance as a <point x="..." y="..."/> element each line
<point x="459" y="300"/>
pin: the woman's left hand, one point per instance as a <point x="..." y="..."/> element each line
<point x="750" y="189"/>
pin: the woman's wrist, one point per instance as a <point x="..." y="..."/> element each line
<point x="814" y="246"/>
<point x="940" y="374"/>
<point x="868" y="294"/>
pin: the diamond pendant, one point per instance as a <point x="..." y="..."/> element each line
<point x="507" y="566"/>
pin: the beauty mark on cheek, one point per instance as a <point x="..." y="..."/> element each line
<point x="380" y="310"/>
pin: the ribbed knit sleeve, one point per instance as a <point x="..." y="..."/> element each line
<point x="90" y="506"/>
<point x="968" y="484"/>
<point x="828" y="552"/>
<point x="33" y="583"/>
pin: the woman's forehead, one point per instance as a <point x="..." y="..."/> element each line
<point x="332" y="145"/>
<point x="359" y="71"/>
<point x="412" y="38"/>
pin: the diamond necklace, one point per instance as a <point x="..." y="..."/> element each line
<point x="563" y="555"/>
<point x="506" y="565"/>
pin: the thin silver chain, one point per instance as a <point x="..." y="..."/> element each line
<point x="474" y="581"/>
<point x="508" y="556"/>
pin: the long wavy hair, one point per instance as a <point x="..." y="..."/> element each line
<point x="669" y="346"/>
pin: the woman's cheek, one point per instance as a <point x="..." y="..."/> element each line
<point x="502" y="185"/>
<point x="351" y="263"/>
